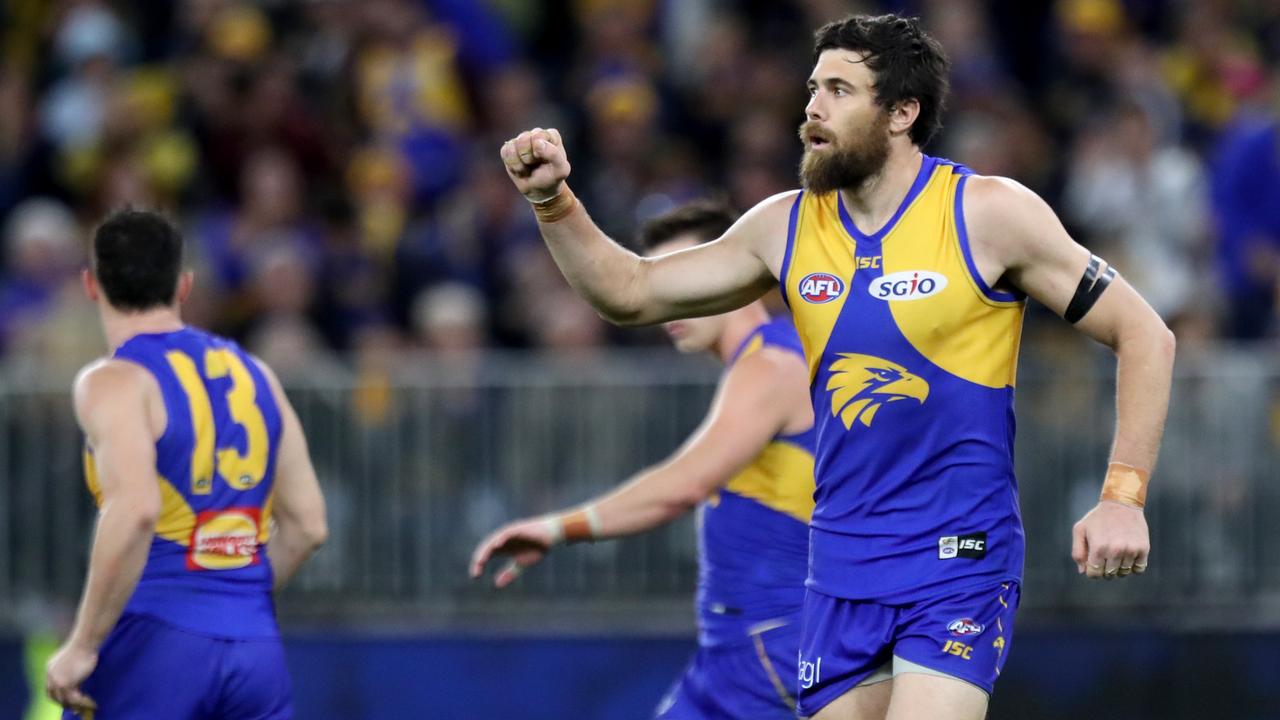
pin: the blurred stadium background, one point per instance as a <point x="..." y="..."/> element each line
<point x="334" y="165"/>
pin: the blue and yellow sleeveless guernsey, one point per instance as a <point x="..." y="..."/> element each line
<point x="912" y="359"/>
<point x="208" y="571"/>
<point x="754" y="540"/>
<point x="754" y="534"/>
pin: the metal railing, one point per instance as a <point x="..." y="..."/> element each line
<point x="419" y="461"/>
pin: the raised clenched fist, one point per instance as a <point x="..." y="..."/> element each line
<point x="536" y="162"/>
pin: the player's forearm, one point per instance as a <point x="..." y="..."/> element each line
<point x="120" y="547"/>
<point x="1144" y="375"/>
<point x="653" y="498"/>
<point x="603" y="272"/>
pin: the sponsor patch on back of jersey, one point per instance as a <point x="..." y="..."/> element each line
<point x="820" y="288"/>
<point x="907" y="285"/>
<point x="973" y="545"/>
<point x="224" y="539"/>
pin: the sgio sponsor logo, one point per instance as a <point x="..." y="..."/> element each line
<point x="907" y="285"/>
<point x="810" y="672"/>
<point x="820" y="288"/>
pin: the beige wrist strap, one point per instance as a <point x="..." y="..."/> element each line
<point x="555" y="209"/>
<point x="580" y="525"/>
<point x="1125" y="484"/>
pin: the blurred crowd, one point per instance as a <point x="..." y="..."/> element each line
<point x="334" y="163"/>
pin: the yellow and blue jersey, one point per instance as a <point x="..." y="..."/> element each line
<point x="208" y="571"/>
<point x="753" y="534"/>
<point x="912" y="359"/>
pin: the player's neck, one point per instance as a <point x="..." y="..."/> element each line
<point x="119" y="327"/>
<point x="873" y="203"/>
<point x="737" y="326"/>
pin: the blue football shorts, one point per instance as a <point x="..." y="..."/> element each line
<point x="751" y="680"/>
<point x="148" y="669"/>
<point x="845" y="643"/>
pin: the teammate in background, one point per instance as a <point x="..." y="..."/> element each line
<point x="906" y="276"/>
<point x="207" y="501"/>
<point x="749" y="471"/>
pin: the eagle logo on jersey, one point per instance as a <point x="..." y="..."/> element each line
<point x="861" y="384"/>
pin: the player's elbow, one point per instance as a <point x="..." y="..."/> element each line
<point x="621" y="315"/>
<point x="690" y="496"/>
<point x="142" y="513"/>
<point x="315" y="531"/>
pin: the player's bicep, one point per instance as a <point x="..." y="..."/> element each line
<point x="719" y="276"/>
<point x="111" y="406"/>
<point x="704" y="280"/>
<point x="1044" y="262"/>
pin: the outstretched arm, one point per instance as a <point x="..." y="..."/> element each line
<point x="761" y="395"/>
<point x="112" y="408"/>
<point x="1023" y="234"/>
<point x="625" y="288"/>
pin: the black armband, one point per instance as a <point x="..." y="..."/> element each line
<point x="1089" y="290"/>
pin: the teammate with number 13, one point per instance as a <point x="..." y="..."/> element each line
<point x="207" y="501"/>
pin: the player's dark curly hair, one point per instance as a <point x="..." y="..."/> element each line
<point x="705" y="219"/>
<point x="137" y="257"/>
<point x="907" y="62"/>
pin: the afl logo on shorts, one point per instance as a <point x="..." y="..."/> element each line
<point x="907" y="285"/>
<point x="821" y="288"/>
<point x="963" y="627"/>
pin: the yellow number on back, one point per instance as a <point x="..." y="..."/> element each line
<point x="201" y="420"/>
<point x="240" y="471"/>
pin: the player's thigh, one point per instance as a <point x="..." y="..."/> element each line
<point x="864" y="702"/>
<point x="147" y="669"/>
<point x="920" y="696"/>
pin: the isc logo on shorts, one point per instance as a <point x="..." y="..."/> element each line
<point x="820" y="288"/>
<point x="907" y="285"/>
<point x="224" y="539"/>
<point x="973" y="545"/>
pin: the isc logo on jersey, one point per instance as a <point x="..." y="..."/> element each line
<point x="821" y="288"/>
<point x="907" y="285"/>
<point x="224" y="539"/>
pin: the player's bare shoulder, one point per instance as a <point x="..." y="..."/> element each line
<point x="776" y="381"/>
<point x="110" y="385"/>
<point x="763" y="228"/>
<point x="1002" y="216"/>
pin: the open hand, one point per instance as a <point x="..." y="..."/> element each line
<point x="525" y="541"/>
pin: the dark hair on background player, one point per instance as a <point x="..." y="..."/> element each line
<point x="708" y="219"/>
<point x="907" y="62"/>
<point x="137" y="257"/>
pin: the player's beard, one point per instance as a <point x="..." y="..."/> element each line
<point x="846" y="163"/>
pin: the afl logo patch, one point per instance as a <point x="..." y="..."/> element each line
<point x="821" y="288"/>
<point x="963" y="627"/>
<point x="907" y="285"/>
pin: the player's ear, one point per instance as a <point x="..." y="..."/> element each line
<point x="185" y="281"/>
<point x="903" y="115"/>
<point x="90" y="284"/>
